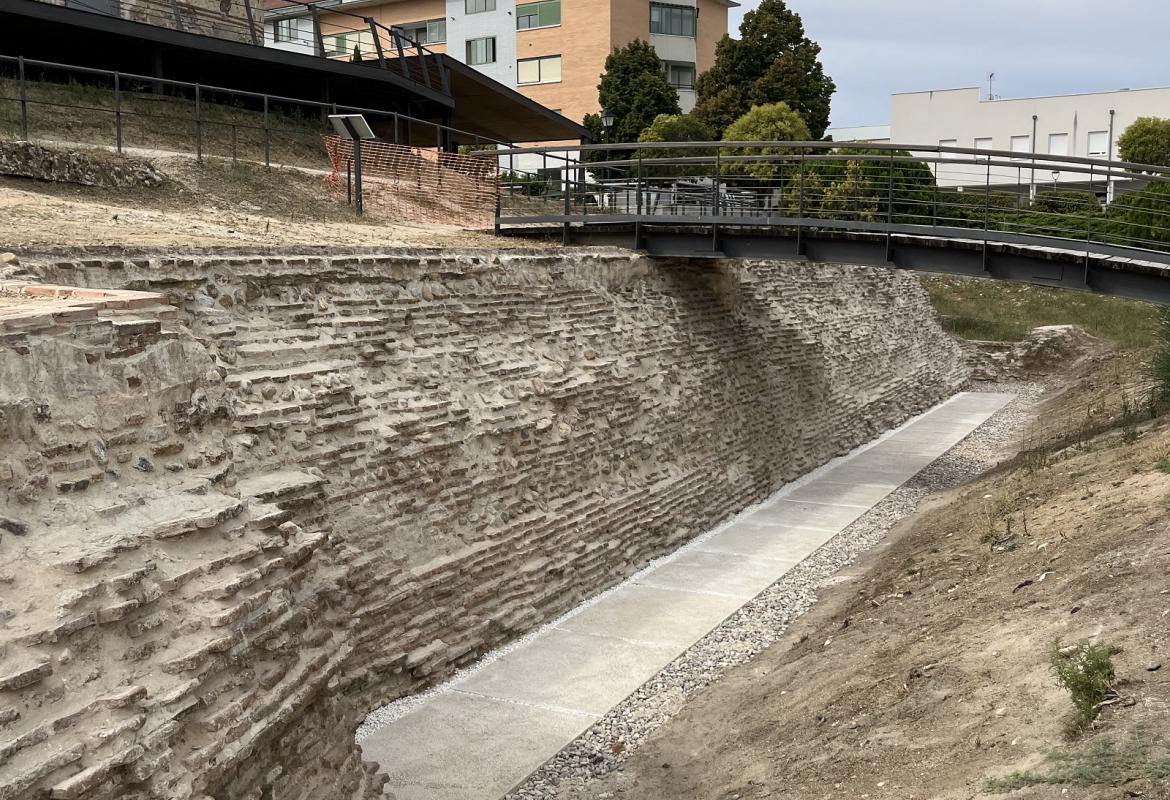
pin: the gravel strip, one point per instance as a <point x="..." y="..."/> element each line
<point x="764" y="619"/>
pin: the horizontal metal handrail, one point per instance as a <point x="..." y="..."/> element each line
<point x="1015" y="158"/>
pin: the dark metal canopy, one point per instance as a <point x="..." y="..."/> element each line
<point x="470" y="100"/>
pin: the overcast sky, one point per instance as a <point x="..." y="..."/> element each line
<point x="872" y="48"/>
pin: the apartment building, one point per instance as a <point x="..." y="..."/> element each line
<point x="553" y="51"/>
<point x="1086" y="125"/>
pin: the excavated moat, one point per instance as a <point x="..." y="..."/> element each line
<point x="246" y="498"/>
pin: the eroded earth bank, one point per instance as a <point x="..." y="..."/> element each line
<point x="247" y="498"/>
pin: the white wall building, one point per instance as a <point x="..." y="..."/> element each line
<point x="860" y="133"/>
<point x="1086" y="125"/>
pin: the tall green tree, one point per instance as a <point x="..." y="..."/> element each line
<point x="1146" y="141"/>
<point x="772" y="61"/>
<point x="634" y="89"/>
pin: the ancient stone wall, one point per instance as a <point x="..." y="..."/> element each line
<point x="285" y="490"/>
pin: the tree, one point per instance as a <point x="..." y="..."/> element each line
<point x="774" y="122"/>
<point x="772" y="61"/>
<point x="634" y="89"/>
<point x="677" y="128"/>
<point x="1146" y="141"/>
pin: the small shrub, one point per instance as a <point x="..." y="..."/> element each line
<point x="1086" y="670"/>
<point x="1163" y="466"/>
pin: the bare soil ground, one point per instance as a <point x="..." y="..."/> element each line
<point x="214" y="204"/>
<point x="924" y="673"/>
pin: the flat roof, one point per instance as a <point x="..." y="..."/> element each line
<point x="1033" y="97"/>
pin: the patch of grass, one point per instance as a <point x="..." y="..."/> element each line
<point x="1086" y="670"/>
<point x="1100" y="762"/>
<point x="1163" y="466"/>
<point x="991" y="310"/>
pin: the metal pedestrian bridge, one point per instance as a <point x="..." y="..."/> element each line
<point x="1066" y="221"/>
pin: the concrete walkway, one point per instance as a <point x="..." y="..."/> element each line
<point x="485" y="733"/>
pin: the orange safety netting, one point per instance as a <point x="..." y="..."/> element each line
<point x="415" y="184"/>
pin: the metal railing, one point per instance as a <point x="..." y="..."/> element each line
<point x="367" y="42"/>
<point x="1094" y="206"/>
<point x="124" y="110"/>
<point x="376" y="45"/>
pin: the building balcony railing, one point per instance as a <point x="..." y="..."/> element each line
<point x="374" y="45"/>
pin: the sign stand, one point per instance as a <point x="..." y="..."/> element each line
<point x="355" y="128"/>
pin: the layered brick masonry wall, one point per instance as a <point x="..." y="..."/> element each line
<point x="238" y="514"/>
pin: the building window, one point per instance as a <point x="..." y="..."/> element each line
<point x="1058" y="144"/>
<point x="672" y="20"/>
<point x="431" y="31"/>
<point x="344" y="45"/>
<point x="478" y="6"/>
<point x="681" y="76"/>
<point x="1021" y="144"/>
<point x="984" y="143"/>
<point x="949" y="143"/>
<point x="481" y="51"/>
<point x="284" y="30"/>
<point x="545" y="14"/>
<point x="1098" y="144"/>
<point x="546" y="69"/>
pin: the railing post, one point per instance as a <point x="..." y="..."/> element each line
<point x="178" y="17"/>
<point x="267" y="162"/>
<point x="890" y="213"/>
<point x="23" y="99"/>
<point x="1089" y="226"/>
<point x="986" y="214"/>
<point x="251" y="22"/>
<point x="401" y="53"/>
<point x="318" y="40"/>
<point x="638" y="201"/>
<point x="198" y="125"/>
<point x="357" y="174"/>
<point x="377" y="42"/>
<point x="800" y="210"/>
<point x="568" y="211"/>
<point x="118" y="112"/>
<point x="422" y="63"/>
<point x="718" y="204"/>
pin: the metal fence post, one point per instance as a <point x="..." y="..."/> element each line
<point x="251" y="22"/>
<point x="568" y="211"/>
<point x="198" y="125"/>
<point x="717" y="208"/>
<point x="889" y="213"/>
<point x="267" y="163"/>
<point x="23" y="99"/>
<point x="357" y="174"/>
<point x="986" y="215"/>
<point x="118" y="111"/>
<point x="1089" y="226"/>
<point x="800" y="211"/>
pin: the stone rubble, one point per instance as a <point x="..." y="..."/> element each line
<point x="764" y="620"/>
<point x="260" y="495"/>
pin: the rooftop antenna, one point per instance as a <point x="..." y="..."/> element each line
<point x="991" y="86"/>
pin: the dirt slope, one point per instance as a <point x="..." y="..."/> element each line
<point x="925" y="674"/>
